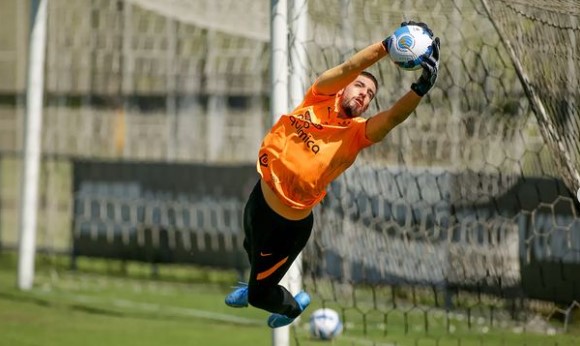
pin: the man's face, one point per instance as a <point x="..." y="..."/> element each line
<point x="357" y="96"/>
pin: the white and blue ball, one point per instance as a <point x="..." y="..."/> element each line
<point x="407" y="44"/>
<point x="325" y="324"/>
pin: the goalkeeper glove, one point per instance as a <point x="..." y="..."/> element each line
<point x="386" y="42"/>
<point x="421" y="24"/>
<point x="430" y="64"/>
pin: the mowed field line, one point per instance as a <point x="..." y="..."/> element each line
<point x="124" y="305"/>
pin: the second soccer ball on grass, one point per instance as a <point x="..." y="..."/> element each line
<point x="325" y="324"/>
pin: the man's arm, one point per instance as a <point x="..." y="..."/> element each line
<point x="336" y="78"/>
<point x="383" y="122"/>
<point x="379" y="125"/>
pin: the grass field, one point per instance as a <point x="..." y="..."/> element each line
<point x="66" y="308"/>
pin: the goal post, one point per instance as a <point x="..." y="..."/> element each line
<point x="297" y="25"/>
<point x="32" y="146"/>
<point x="288" y="78"/>
<point x="279" y="73"/>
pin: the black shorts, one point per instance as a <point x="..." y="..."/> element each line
<point x="272" y="241"/>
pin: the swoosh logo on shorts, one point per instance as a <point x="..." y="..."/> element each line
<point x="266" y="273"/>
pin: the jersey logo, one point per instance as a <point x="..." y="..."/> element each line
<point x="308" y="118"/>
<point x="301" y="128"/>
<point x="264" y="160"/>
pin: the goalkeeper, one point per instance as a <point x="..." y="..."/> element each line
<point x="304" y="151"/>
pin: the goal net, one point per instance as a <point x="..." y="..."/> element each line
<point x="463" y="218"/>
<point x="474" y="192"/>
<point x="548" y="71"/>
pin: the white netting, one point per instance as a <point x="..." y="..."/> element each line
<point x="554" y="87"/>
<point x="246" y="18"/>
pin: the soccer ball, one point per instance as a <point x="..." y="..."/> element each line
<point x="325" y="324"/>
<point x="407" y="44"/>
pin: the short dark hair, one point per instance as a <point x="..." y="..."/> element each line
<point x="371" y="77"/>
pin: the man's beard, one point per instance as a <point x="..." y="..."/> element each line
<point x="349" y="110"/>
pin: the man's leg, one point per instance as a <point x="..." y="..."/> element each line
<point x="269" y="266"/>
<point x="274" y="243"/>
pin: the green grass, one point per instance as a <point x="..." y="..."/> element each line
<point x="94" y="310"/>
<point x="29" y="322"/>
<point x="186" y="308"/>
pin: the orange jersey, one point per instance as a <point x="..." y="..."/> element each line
<point x="308" y="148"/>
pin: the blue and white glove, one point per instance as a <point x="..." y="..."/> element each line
<point x="430" y="64"/>
<point x="421" y="24"/>
<point x="386" y="42"/>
